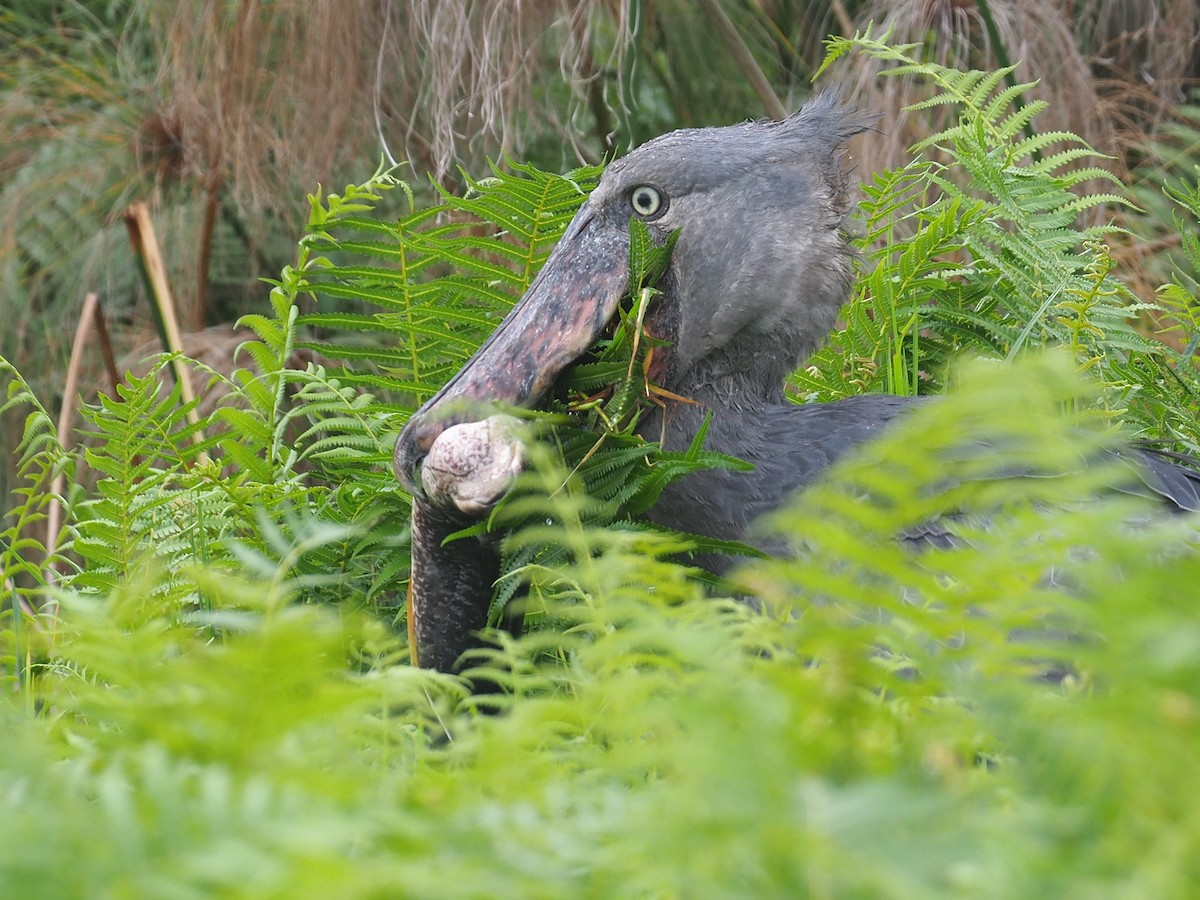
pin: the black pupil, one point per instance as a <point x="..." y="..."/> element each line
<point x="644" y="201"/>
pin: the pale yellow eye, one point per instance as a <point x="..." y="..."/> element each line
<point x="646" y="201"/>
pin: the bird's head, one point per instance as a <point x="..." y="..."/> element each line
<point x="757" y="275"/>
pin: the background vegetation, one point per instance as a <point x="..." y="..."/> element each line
<point x="208" y="688"/>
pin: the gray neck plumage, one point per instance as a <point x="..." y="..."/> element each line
<point x="743" y="375"/>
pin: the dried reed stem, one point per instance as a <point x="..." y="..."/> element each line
<point x="745" y="60"/>
<point x="66" y="417"/>
<point x="145" y="246"/>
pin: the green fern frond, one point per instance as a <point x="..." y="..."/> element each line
<point x="25" y="559"/>
<point x="995" y="248"/>
<point x="140" y="443"/>
<point x="452" y="272"/>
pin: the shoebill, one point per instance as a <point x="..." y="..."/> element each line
<point x="759" y="271"/>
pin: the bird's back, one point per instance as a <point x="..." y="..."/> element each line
<point x="791" y="446"/>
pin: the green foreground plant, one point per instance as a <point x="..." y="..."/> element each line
<point x="208" y="695"/>
<point x="658" y="740"/>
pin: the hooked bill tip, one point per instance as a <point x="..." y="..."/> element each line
<point x="471" y="466"/>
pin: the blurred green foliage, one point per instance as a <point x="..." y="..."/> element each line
<point x="660" y="743"/>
